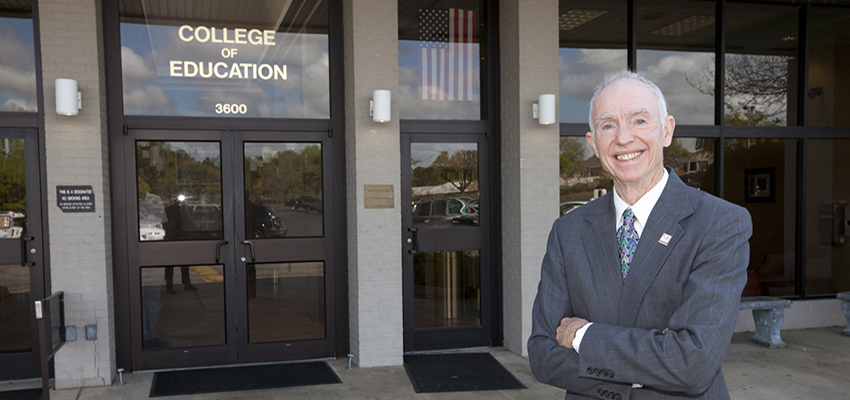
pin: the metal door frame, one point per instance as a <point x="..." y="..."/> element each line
<point x="26" y="365"/>
<point x="416" y="340"/>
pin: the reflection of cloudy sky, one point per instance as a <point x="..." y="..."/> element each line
<point x="581" y="70"/>
<point x="426" y="153"/>
<point x="412" y="107"/>
<point x="147" y="51"/>
<point x="17" y="66"/>
<point x="199" y="151"/>
<point x="268" y="150"/>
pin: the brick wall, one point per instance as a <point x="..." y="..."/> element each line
<point x="529" y="68"/>
<point x="372" y="157"/>
<point x="80" y="243"/>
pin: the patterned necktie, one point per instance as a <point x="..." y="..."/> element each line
<point x="628" y="238"/>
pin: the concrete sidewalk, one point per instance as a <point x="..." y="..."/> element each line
<point x="813" y="365"/>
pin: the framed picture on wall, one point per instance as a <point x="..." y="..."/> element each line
<point x="760" y="185"/>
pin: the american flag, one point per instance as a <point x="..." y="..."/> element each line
<point x="448" y="51"/>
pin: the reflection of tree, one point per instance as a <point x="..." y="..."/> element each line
<point x="755" y="89"/>
<point x="13" y="193"/>
<point x="168" y="173"/>
<point x="285" y="174"/>
<point x="460" y="169"/>
<point x="675" y="153"/>
<point x="571" y="156"/>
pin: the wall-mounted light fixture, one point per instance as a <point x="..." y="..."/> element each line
<point x="68" y="100"/>
<point x="379" y="106"/>
<point x="544" y="110"/>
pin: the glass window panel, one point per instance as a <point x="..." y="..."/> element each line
<point x="760" y="175"/>
<point x="582" y="177"/>
<point x="693" y="160"/>
<point x="444" y="184"/>
<point x="592" y="47"/>
<point x="15" y="301"/>
<point x="447" y="289"/>
<point x="283" y="190"/>
<point x="188" y="314"/>
<point x="761" y="65"/>
<point x="179" y="188"/>
<point x="676" y="51"/>
<point x="829" y="66"/>
<point x="18" y="92"/>
<point x="257" y="59"/>
<point x="440" y="58"/>
<point x="286" y="301"/>
<point x="827" y="217"/>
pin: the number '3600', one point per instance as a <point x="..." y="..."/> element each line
<point x="230" y="108"/>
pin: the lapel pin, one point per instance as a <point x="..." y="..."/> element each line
<point x="665" y="239"/>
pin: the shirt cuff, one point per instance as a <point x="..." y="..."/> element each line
<point x="580" y="335"/>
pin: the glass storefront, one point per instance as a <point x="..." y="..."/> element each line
<point x="440" y="59"/>
<point x="592" y="46"/>
<point x="17" y="58"/>
<point x="829" y="67"/>
<point x="268" y="60"/>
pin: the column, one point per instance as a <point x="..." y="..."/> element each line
<point x="529" y="67"/>
<point x="373" y="157"/>
<point x="71" y="34"/>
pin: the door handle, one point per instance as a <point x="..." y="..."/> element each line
<point x="218" y="250"/>
<point x="23" y="251"/>
<point x="253" y="256"/>
<point x="415" y="242"/>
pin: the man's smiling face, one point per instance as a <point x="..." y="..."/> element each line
<point x="629" y="136"/>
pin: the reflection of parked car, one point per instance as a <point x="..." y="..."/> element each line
<point x="308" y="203"/>
<point x="568" y="206"/>
<point x="150" y="228"/>
<point x="442" y="212"/>
<point x="8" y="230"/>
<point x="264" y="221"/>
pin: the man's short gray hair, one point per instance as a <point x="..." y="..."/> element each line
<point x="626" y="74"/>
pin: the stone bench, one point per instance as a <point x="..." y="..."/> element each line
<point x="768" y="313"/>
<point x="845" y="306"/>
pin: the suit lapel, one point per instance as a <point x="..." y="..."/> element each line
<point x="671" y="208"/>
<point x="601" y="246"/>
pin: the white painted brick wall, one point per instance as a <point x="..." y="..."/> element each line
<point x="529" y="68"/>
<point x="80" y="243"/>
<point x="373" y="156"/>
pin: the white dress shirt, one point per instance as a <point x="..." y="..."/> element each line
<point x="641" y="209"/>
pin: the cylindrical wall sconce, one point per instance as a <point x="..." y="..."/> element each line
<point x="380" y="106"/>
<point x="68" y="100"/>
<point x="544" y="110"/>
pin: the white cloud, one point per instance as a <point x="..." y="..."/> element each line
<point x="147" y="98"/>
<point x="18" y="105"/>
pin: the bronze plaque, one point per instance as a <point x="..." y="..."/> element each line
<point x="378" y="196"/>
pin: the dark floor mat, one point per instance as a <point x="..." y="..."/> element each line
<point x="25" y="394"/>
<point x="460" y="372"/>
<point x="233" y="379"/>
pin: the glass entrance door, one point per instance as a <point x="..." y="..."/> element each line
<point x="446" y="241"/>
<point x="21" y="267"/>
<point x="231" y="255"/>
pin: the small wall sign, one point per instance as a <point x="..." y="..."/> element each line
<point x="75" y="198"/>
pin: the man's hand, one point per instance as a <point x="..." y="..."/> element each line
<point x="566" y="332"/>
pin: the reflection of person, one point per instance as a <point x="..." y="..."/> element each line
<point x="656" y="322"/>
<point x="184" y="278"/>
<point x="151" y="306"/>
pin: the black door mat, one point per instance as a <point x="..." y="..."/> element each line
<point x="233" y="379"/>
<point x="459" y="372"/>
<point x="23" y="394"/>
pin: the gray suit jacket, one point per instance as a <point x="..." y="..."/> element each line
<point x="691" y="286"/>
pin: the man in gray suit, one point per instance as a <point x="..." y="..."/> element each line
<point x="639" y="289"/>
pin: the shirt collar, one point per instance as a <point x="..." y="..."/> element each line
<point x="644" y="205"/>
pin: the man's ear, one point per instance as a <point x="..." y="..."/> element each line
<point x="591" y="142"/>
<point x="669" y="127"/>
